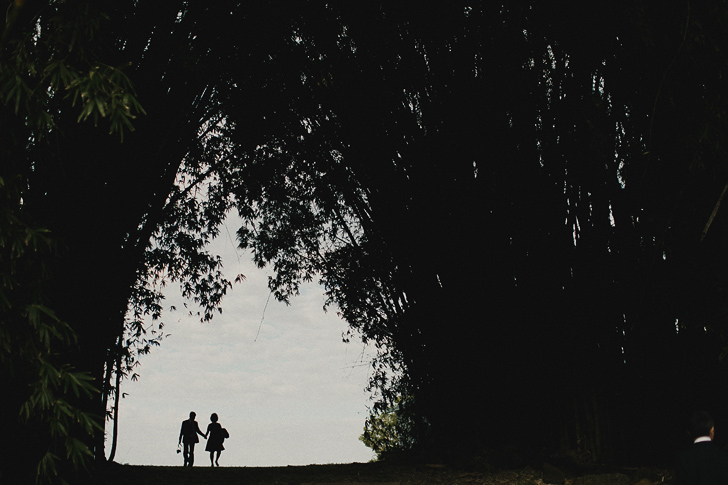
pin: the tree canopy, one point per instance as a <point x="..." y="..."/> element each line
<point x="518" y="204"/>
<point x="516" y="208"/>
<point x="125" y="217"/>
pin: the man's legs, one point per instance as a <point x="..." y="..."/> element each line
<point x="189" y="454"/>
<point x="186" y="453"/>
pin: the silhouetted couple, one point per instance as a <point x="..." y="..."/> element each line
<point x="215" y="435"/>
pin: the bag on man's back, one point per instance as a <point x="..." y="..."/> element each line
<point x="225" y="433"/>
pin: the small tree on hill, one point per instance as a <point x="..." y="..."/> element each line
<point x="383" y="431"/>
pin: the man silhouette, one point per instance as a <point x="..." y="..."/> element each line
<point x="188" y="434"/>
<point x="703" y="463"/>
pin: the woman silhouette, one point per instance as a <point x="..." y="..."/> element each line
<point x="214" y="442"/>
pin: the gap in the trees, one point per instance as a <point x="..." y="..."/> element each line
<point x="280" y="378"/>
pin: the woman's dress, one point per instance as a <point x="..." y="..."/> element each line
<point x="214" y="442"/>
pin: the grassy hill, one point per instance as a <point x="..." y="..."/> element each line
<point x="354" y="473"/>
<point x="360" y="473"/>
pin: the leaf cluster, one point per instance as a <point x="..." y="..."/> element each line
<point x="44" y="64"/>
<point x="385" y="431"/>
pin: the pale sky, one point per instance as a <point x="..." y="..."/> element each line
<point x="294" y="396"/>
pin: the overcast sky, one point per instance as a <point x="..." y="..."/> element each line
<point x="293" y="396"/>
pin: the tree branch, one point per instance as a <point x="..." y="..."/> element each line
<point x="715" y="211"/>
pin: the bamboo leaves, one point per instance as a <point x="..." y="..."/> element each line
<point x="41" y="71"/>
<point x="105" y="92"/>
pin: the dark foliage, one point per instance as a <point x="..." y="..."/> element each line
<point x="511" y="205"/>
<point x="126" y="212"/>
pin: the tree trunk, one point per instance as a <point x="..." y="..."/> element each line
<point x="117" y="396"/>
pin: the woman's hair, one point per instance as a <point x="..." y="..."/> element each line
<point x="213" y="418"/>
